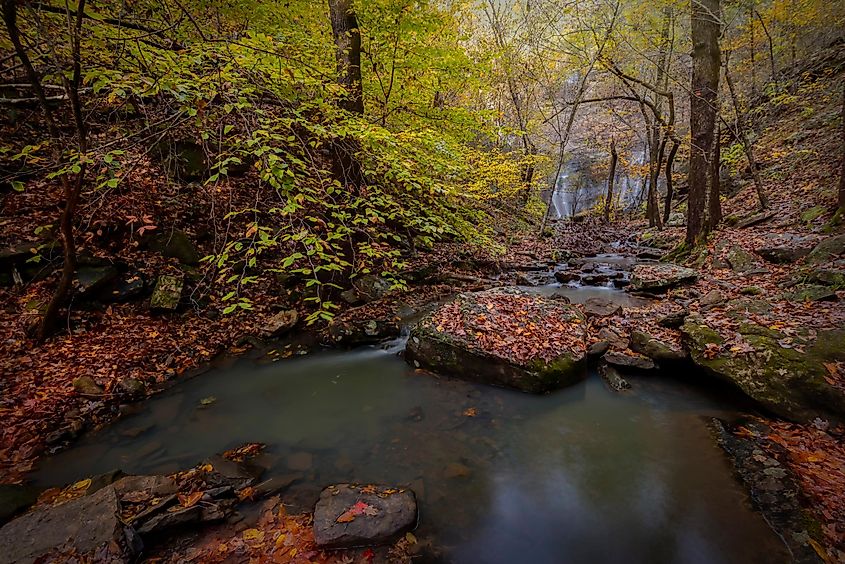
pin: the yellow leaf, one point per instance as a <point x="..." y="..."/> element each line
<point x="82" y="484"/>
<point x="281" y="540"/>
<point x="410" y="538"/>
<point x="207" y="468"/>
<point x="253" y="535"/>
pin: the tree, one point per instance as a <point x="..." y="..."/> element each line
<point x="706" y="62"/>
<point x="611" y="178"/>
<point x="72" y="168"/>
<point x="347" y="38"/>
<point x="842" y="173"/>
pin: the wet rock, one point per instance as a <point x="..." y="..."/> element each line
<point x="371" y="287"/>
<point x="566" y="276"/>
<point x="354" y="332"/>
<point x="174" y="244"/>
<point x="276" y="484"/>
<point x="155" y="486"/>
<point x="238" y="475"/>
<point x="811" y="293"/>
<point x="170" y="520"/>
<point x="711" y="299"/>
<point x="301" y="461"/>
<point x="87" y="524"/>
<point x="86" y="386"/>
<point x="613" y="378"/>
<point x="775" y="373"/>
<point x="656" y="278"/>
<point x="90" y="280"/>
<point x="827" y="250"/>
<point x="655" y="349"/>
<point x="461" y="350"/>
<point x="600" y="307"/>
<point x="621" y="283"/>
<point x="131" y="388"/>
<point x="366" y="519"/>
<point x="279" y="324"/>
<point x="595" y="279"/>
<point x="167" y="293"/>
<point x="775" y="490"/>
<point x="124" y="288"/>
<point x="631" y="361"/>
<point x="15" y="498"/>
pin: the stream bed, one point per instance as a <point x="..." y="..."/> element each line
<point x="581" y="475"/>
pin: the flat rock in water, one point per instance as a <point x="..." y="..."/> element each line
<point x="347" y="515"/>
<point x="655" y="278"/>
<point x="503" y="337"/>
<point x="785" y="374"/>
<point x="87" y="524"/>
<point x="625" y="360"/>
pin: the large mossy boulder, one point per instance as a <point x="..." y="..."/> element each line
<point x="656" y="278"/>
<point x="827" y="250"/>
<point x="503" y="337"/>
<point x="787" y="376"/>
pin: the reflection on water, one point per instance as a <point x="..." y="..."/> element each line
<point x="582" y="475"/>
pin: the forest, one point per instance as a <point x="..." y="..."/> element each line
<point x="422" y="281"/>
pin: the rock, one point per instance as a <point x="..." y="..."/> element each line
<point x="86" y="386"/>
<point x="371" y="287"/>
<point x="167" y="293"/>
<point x="755" y="219"/>
<point x="155" y="486"/>
<point x="600" y="307"/>
<point x="655" y="349"/>
<point x="124" y="288"/>
<point x="598" y="348"/>
<point x="595" y="279"/>
<point x="787" y="382"/>
<point x="301" y="461"/>
<point x="184" y="159"/>
<point x="613" y="378"/>
<point x="740" y="260"/>
<point x="15" y="498"/>
<point x="751" y="291"/>
<point x="621" y="283"/>
<point x="280" y="324"/>
<point x="811" y="293"/>
<point x="471" y="345"/>
<point x="90" y="280"/>
<point x="711" y="299"/>
<point x="624" y="360"/>
<point x="176" y="244"/>
<point x="827" y="250"/>
<point x="565" y="276"/>
<point x="355" y="332"/>
<point x="613" y="338"/>
<point x="674" y="319"/>
<point x="366" y="519"/>
<point x="783" y="254"/>
<point x="169" y="520"/>
<point x="276" y="484"/>
<point x="656" y="278"/>
<point x="676" y="219"/>
<point x="650" y="254"/>
<point x="132" y="388"/>
<point x="351" y="297"/>
<point x="86" y="524"/>
<point x="827" y="277"/>
<point x="238" y="475"/>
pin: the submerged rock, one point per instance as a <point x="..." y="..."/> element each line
<point x="613" y="378"/>
<point x="348" y="515"/>
<point x="503" y="337"/>
<point x="770" y="368"/>
<point x="85" y="525"/>
<point x="656" y="278"/>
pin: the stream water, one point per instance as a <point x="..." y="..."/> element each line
<point x="581" y="475"/>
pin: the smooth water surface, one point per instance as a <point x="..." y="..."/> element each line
<point x="582" y="475"/>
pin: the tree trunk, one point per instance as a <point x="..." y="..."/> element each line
<point x="71" y="186"/>
<point x="771" y="46"/>
<point x="705" y="25"/>
<point x="741" y="132"/>
<point x="714" y="212"/>
<point x="347" y="38"/>
<point x="842" y="173"/>
<point x="670" y="189"/>
<point x="611" y="178"/>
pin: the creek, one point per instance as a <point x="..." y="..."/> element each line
<point x="581" y="475"/>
